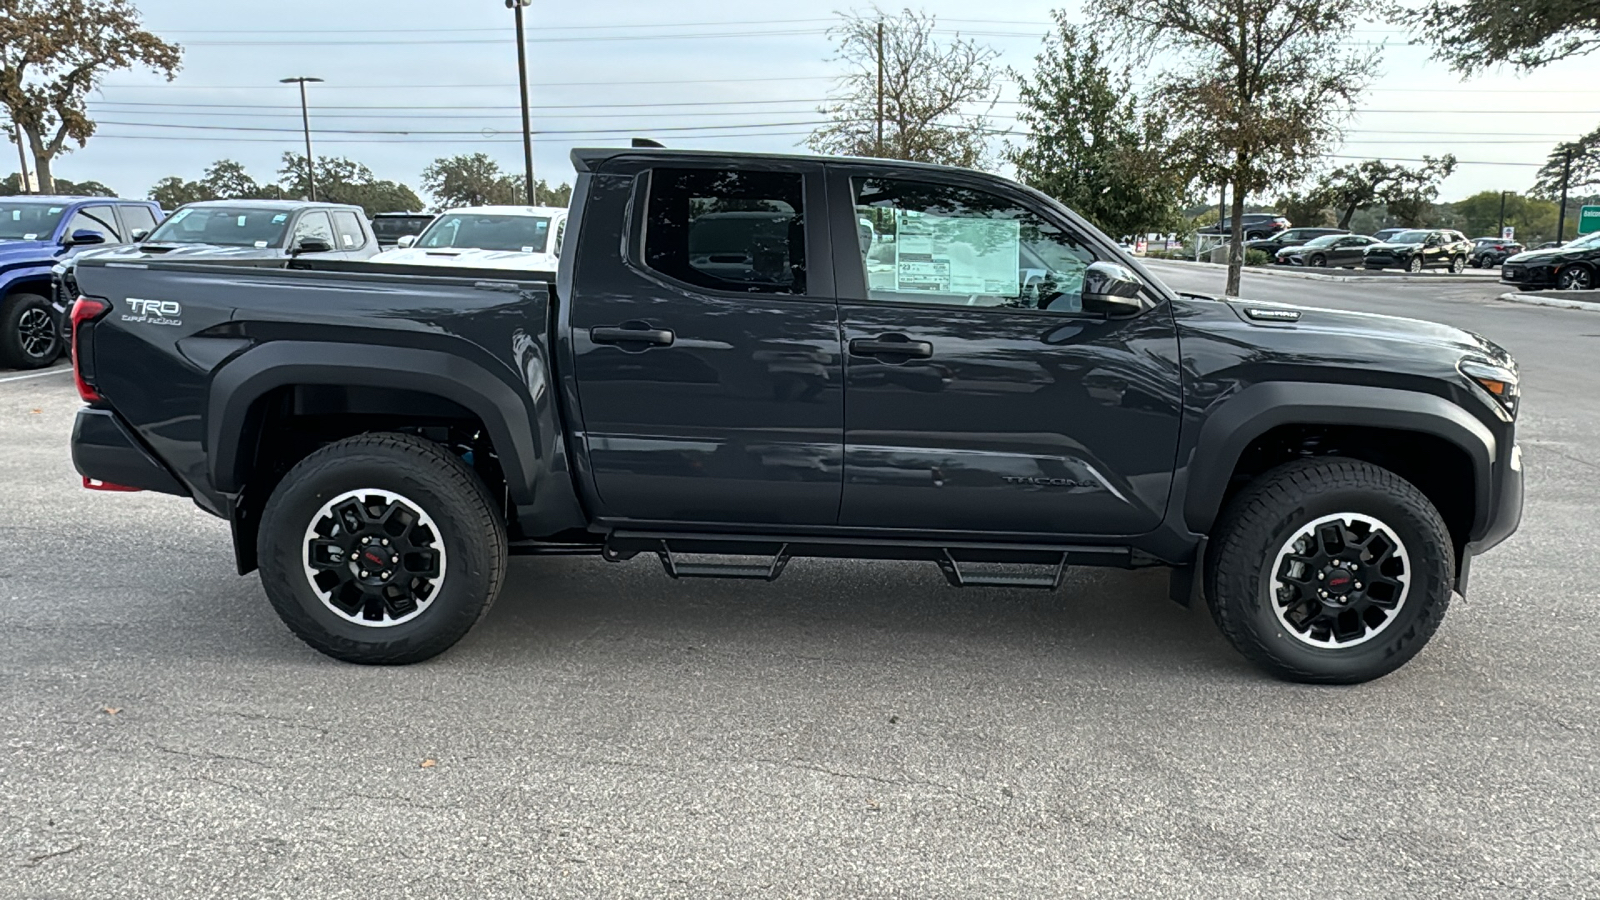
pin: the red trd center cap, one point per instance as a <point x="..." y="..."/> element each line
<point x="373" y="559"/>
<point x="1339" y="581"/>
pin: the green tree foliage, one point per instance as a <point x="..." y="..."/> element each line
<point x="53" y="54"/>
<point x="223" y="180"/>
<point x="1406" y="192"/>
<point x="1255" y="90"/>
<point x="471" y="180"/>
<point x="343" y="180"/>
<point x="1481" y="34"/>
<point x="1584" y="173"/>
<point x="1089" y="143"/>
<point x="928" y="87"/>
<point x="11" y="185"/>
<point x="561" y="195"/>
<point x="1479" y="216"/>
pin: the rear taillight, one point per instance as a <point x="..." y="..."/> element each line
<point x="84" y="311"/>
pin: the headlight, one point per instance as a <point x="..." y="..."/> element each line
<point x="1498" y="382"/>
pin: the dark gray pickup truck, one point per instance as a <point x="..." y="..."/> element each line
<point x="746" y="359"/>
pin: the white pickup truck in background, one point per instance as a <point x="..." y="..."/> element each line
<point x="524" y="238"/>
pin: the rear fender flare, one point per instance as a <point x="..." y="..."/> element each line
<point x="1230" y="428"/>
<point x="237" y="386"/>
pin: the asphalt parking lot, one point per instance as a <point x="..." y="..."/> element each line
<point x="857" y="729"/>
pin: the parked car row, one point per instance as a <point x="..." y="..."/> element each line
<point x="1569" y="267"/>
<point x="1411" y="249"/>
<point x="42" y="239"/>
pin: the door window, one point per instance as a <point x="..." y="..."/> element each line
<point x="314" y="225"/>
<point x="933" y="243"/>
<point x="348" y="226"/>
<point x="138" y="219"/>
<point x="101" y="219"/>
<point x="727" y="230"/>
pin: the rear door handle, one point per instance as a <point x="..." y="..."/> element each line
<point x="610" y="334"/>
<point x="891" y="345"/>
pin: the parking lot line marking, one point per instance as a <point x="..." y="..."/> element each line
<point x="35" y="375"/>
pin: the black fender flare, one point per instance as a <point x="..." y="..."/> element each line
<point x="1230" y="428"/>
<point x="236" y="387"/>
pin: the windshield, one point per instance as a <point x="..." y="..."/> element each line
<point x="1583" y="243"/>
<point x="227" y="226"/>
<point x="524" y="234"/>
<point x="29" y="221"/>
<point x="393" y="228"/>
<point x="1324" y="241"/>
<point x="1410" y="237"/>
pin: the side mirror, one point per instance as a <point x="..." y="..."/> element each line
<point x="83" y="237"/>
<point x="406" y="241"/>
<point x="140" y="234"/>
<point x="311" y="245"/>
<point x="1111" y="289"/>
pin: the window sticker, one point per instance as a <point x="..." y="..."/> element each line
<point x="349" y="241"/>
<point x="261" y="245"/>
<point x="527" y="249"/>
<point x="180" y="215"/>
<point x="241" y="221"/>
<point x="30" y="236"/>
<point x="280" y="218"/>
<point x="56" y="209"/>
<point x="955" y="255"/>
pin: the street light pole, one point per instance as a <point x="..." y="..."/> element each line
<point x="305" y="120"/>
<point x="1502" y="231"/>
<point x="527" y="127"/>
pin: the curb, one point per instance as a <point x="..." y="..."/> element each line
<point x="1556" y="302"/>
<point x="1285" y="272"/>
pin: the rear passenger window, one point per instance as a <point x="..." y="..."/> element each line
<point x="347" y="225"/>
<point x="729" y="231"/>
<point x="139" y="220"/>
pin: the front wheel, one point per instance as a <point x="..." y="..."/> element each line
<point x="381" y="549"/>
<point x="1330" y="571"/>
<point x="1575" y="278"/>
<point x="30" y="337"/>
<point x="1415" y="265"/>
<point x="1319" y="261"/>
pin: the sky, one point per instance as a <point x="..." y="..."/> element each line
<point x="696" y="73"/>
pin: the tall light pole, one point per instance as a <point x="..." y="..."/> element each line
<point x="305" y="119"/>
<point x="527" y="128"/>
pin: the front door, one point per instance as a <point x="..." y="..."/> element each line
<point x="980" y="397"/>
<point x="707" y="358"/>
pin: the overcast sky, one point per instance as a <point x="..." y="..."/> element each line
<point x="612" y="66"/>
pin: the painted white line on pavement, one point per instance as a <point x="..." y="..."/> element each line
<point x="36" y="375"/>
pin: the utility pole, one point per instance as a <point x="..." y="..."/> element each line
<point x="1502" y="230"/>
<point x="527" y="128"/>
<point x="1566" y="173"/>
<point x="880" y="86"/>
<point x="305" y="119"/>
<point x="22" y="160"/>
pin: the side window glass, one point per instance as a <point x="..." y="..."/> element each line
<point x="931" y="243"/>
<point x="314" y="225"/>
<point x="101" y="219"/>
<point x="138" y="219"/>
<point x="730" y="231"/>
<point x="348" y="227"/>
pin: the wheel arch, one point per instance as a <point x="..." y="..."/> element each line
<point x="1426" y="439"/>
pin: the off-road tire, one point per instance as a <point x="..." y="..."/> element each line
<point x="429" y="476"/>
<point x="14" y="350"/>
<point x="1269" y="511"/>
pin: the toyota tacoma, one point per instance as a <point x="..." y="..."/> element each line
<point x="729" y="371"/>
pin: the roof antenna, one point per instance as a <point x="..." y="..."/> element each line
<point x="647" y="142"/>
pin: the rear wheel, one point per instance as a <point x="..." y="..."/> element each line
<point x="381" y="549"/>
<point x="1458" y="264"/>
<point x="30" y="337"/>
<point x="1254" y="236"/>
<point x="1330" y="571"/>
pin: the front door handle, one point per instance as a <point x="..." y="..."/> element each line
<point x="638" y="334"/>
<point x="891" y="345"/>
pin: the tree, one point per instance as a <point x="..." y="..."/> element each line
<point x="1533" y="218"/>
<point x="12" y="185"/>
<point x="54" y="52"/>
<point x="1481" y="34"/>
<point x="553" y="196"/>
<point x="1407" y="192"/>
<point x="1089" y="144"/>
<point x="223" y="180"/>
<point x="1255" y="91"/>
<point x="1584" y="171"/>
<point x="927" y="90"/>
<point x="471" y="180"/>
<point x="343" y="180"/>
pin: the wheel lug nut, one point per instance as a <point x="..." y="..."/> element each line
<point x="395" y="559"/>
<point x="1320" y="576"/>
<point x="363" y="573"/>
<point x="386" y="542"/>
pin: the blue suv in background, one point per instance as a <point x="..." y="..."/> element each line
<point x="35" y="234"/>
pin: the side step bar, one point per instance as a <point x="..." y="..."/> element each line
<point x="955" y="559"/>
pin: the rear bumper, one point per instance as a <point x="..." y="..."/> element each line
<point x="103" y="449"/>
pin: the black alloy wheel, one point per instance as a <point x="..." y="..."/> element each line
<point x="1319" y="261"/>
<point x="1575" y="278"/>
<point x="30" y="337"/>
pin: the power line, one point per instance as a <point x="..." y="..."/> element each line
<point x="453" y="87"/>
<point x="634" y="130"/>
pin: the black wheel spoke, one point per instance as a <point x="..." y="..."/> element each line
<point x="1340" y="580"/>
<point x="374" y="557"/>
<point x="328" y="554"/>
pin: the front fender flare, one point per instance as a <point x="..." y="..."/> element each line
<point x="1230" y="428"/>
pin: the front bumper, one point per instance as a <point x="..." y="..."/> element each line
<point x="1527" y="276"/>
<point x="104" y="450"/>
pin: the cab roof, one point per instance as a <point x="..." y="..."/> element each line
<point x="588" y="159"/>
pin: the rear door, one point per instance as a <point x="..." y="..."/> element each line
<point x="980" y="397"/>
<point x="704" y="336"/>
